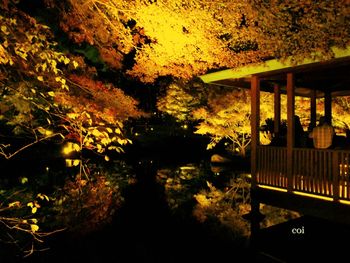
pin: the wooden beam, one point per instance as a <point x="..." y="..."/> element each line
<point x="290" y="130"/>
<point x="277" y="108"/>
<point x="255" y="120"/>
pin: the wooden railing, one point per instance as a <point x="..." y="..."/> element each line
<point x="319" y="172"/>
<point x="272" y="166"/>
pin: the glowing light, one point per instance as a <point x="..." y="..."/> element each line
<point x="272" y="188"/>
<point x="345" y="202"/>
<point x="313" y="195"/>
<point x="185" y="126"/>
<point x="330" y="199"/>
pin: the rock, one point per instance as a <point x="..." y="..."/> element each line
<point x="216" y="158"/>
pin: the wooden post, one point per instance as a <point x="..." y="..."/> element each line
<point x="290" y="130"/>
<point x="255" y="116"/>
<point x="277" y="108"/>
<point x="313" y="108"/>
<point x="335" y="173"/>
<point x="328" y="107"/>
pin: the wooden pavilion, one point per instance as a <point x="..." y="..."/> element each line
<point x="312" y="181"/>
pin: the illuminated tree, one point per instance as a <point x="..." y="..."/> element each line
<point x="228" y="116"/>
<point x="186" y="38"/>
<point x="45" y="96"/>
<point x="341" y="112"/>
<point x="182" y="98"/>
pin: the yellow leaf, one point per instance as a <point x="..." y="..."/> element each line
<point x="44" y="66"/>
<point x="66" y="61"/>
<point x="4" y="29"/>
<point x="16" y="203"/>
<point x="30" y="204"/>
<point x="34" y="209"/>
<point x="51" y="93"/>
<point x="24" y="180"/>
<point x="105" y="141"/>
<point x="42" y="130"/>
<point x="96" y="132"/>
<point x="76" y="147"/>
<point x="106" y="158"/>
<point x="42" y="196"/>
<point x="109" y="130"/>
<point x="34" y="220"/>
<point x="40" y="78"/>
<point x="76" y="162"/>
<point x="75" y="64"/>
<point x="72" y="115"/>
<point x="34" y="228"/>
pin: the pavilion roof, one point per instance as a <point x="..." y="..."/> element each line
<point x="331" y="75"/>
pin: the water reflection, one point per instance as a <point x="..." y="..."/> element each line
<point x="215" y="197"/>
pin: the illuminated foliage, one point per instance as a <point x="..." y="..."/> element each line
<point x="44" y="95"/>
<point x="21" y="217"/>
<point x="341" y="112"/>
<point x="84" y="206"/>
<point x="181" y="99"/>
<point x="227" y="115"/>
<point x="225" y="206"/>
<point x="186" y="38"/>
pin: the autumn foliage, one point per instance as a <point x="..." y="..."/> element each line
<point x="44" y="93"/>
<point x="187" y="38"/>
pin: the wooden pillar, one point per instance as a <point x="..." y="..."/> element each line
<point x="328" y="107"/>
<point x="255" y="120"/>
<point x="290" y="130"/>
<point x="313" y="109"/>
<point x="277" y="108"/>
<point x="335" y="172"/>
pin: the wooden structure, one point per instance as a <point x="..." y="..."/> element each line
<point x="304" y="179"/>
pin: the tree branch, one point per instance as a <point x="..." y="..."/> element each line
<point x="10" y="155"/>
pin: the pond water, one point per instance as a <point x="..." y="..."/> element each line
<point x="141" y="210"/>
